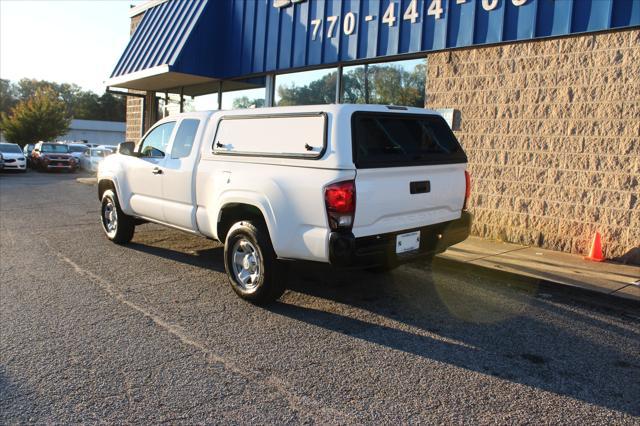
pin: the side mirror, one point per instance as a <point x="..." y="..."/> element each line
<point x="127" y="148"/>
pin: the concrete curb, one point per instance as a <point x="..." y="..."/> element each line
<point x="559" y="288"/>
<point x="88" y="181"/>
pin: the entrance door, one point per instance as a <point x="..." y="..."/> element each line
<point x="145" y="173"/>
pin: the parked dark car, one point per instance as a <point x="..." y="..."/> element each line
<point x="53" y="156"/>
<point x="1" y="161"/>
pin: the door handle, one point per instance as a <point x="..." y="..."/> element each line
<point x="157" y="171"/>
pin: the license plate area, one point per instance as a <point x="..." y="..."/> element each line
<point x="407" y="242"/>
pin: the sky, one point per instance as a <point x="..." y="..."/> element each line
<point x="72" y="41"/>
<point x="80" y="41"/>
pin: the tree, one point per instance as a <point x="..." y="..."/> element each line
<point x="79" y="103"/>
<point x="42" y="117"/>
<point x="244" y="102"/>
<point x="322" y="91"/>
<point x="8" y="97"/>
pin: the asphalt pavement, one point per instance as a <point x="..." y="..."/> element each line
<point x="152" y="332"/>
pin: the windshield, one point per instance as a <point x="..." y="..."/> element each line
<point x="10" y="148"/>
<point x="50" y="147"/>
<point x="100" y="153"/>
<point x="77" y="148"/>
<point x="396" y="140"/>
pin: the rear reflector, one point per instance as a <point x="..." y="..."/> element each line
<point x="340" y="201"/>
<point x="467" y="191"/>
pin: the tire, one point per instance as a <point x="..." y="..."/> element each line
<point x="117" y="225"/>
<point x="252" y="266"/>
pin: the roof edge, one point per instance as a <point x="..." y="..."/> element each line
<point x="150" y="72"/>
<point x="137" y="10"/>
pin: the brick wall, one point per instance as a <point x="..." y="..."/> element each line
<point x="134" y="104"/>
<point x="552" y="131"/>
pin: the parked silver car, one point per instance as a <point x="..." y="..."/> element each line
<point x="77" y="150"/>
<point x="92" y="158"/>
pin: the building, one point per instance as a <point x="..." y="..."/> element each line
<point x="95" y="131"/>
<point x="545" y="94"/>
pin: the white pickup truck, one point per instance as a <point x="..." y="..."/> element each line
<point x="351" y="185"/>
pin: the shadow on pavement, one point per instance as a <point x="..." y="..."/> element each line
<point x="488" y="324"/>
<point x="210" y="258"/>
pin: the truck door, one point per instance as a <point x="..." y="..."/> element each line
<point x="145" y="173"/>
<point x="178" y="183"/>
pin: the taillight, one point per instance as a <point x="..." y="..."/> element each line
<point x="340" y="200"/>
<point x="467" y="191"/>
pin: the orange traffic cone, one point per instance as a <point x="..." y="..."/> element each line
<point x="595" y="253"/>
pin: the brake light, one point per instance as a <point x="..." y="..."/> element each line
<point x="340" y="201"/>
<point x="467" y="191"/>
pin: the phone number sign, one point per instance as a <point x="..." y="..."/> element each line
<point x="277" y="35"/>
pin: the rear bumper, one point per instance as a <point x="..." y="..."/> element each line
<point x="347" y="251"/>
<point x="14" y="166"/>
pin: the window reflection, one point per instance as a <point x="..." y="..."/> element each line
<point x="389" y="83"/>
<point x="306" y="88"/>
<point x="206" y="102"/>
<point x="241" y="99"/>
<point x="247" y="93"/>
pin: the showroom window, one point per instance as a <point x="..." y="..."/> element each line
<point x="388" y="83"/>
<point x="206" y="102"/>
<point x="168" y="104"/>
<point x="306" y="88"/>
<point x="241" y="99"/>
<point x="241" y="94"/>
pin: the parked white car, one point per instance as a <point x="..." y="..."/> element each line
<point x="350" y="185"/>
<point x="77" y="150"/>
<point x="13" y="157"/>
<point x="92" y="157"/>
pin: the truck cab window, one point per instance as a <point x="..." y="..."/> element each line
<point x="184" y="138"/>
<point x="155" y="144"/>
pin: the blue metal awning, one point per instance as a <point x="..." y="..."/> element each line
<point x="155" y="53"/>
<point x="195" y="43"/>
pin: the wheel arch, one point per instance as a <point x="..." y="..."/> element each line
<point x="235" y="211"/>
<point x="105" y="184"/>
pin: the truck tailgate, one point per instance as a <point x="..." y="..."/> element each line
<point x="401" y="198"/>
<point x="409" y="172"/>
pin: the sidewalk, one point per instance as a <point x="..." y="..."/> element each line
<point x="556" y="267"/>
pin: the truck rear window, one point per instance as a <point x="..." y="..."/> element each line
<point x="397" y="140"/>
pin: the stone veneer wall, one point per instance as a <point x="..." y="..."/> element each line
<point x="552" y="131"/>
<point x="134" y="104"/>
